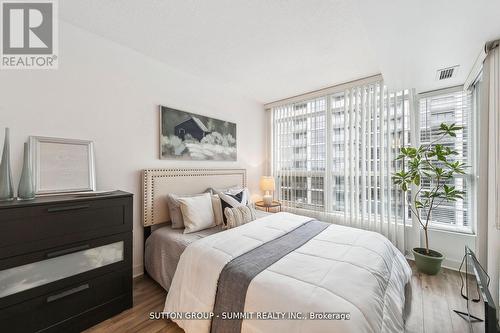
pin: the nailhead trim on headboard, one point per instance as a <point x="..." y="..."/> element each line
<point x="149" y="175"/>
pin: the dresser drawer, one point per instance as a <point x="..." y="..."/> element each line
<point x="34" y="228"/>
<point x="52" y="311"/>
<point x="38" y="273"/>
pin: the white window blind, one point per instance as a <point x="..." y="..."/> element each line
<point x="451" y="107"/>
<point x="300" y="153"/>
<point x="333" y="157"/>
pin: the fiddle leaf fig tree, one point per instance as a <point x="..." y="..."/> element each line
<point x="431" y="168"/>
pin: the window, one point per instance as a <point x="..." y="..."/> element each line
<point x="335" y="154"/>
<point x="300" y="153"/>
<point x="331" y="154"/>
<point x="451" y="106"/>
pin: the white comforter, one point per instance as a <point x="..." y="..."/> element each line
<point x="340" y="270"/>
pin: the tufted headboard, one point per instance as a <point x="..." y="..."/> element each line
<point x="157" y="183"/>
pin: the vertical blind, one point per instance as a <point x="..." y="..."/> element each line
<point x="333" y="157"/>
<point x="452" y="107"/>
<point x="300" y="153"/>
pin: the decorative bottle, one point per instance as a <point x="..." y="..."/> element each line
<point x="6" y="188"/>
<point x="26" y="190"/>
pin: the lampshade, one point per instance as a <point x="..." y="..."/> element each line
<point x="267" y="183"/>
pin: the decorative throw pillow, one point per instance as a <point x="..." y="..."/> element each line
<point x="244" y="192"/>
<point x="238" y="216"/>
<point x="197" y="213"/>
<point x="230" y="200"/>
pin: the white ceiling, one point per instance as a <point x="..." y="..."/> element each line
<point x="416" y="38"/>
<point x="275" y="49"/>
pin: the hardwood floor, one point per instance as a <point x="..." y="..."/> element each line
<point x="432" y="301"/>
<point x="431" y="305"/>
<point x="148" y="297"/>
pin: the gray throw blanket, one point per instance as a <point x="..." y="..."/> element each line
<point x="239" y="272"/>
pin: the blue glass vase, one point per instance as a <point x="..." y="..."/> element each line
<point x="6" y="188"/>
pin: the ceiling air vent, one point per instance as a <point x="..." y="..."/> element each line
<point x="446" y="73"/>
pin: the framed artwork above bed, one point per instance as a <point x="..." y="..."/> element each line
<point x="190" y="136"/>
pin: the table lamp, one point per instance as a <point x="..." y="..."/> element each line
<point x="267" y="185"/>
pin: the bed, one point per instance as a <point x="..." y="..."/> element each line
<point x="164" y="245"/>
<point x="163" y="249"/>
<point x="285" y="272"/>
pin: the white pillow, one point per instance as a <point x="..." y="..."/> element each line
<point x="197" y="212"/>
<point x="174" y="208"/>
<point x="217" y="207"/>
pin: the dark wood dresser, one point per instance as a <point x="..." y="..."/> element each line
<point x="65" y="262"/>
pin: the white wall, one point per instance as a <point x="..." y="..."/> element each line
<point x="451" y="245"/>
<point x="110" y="94"/>
<point x="492" y="79"/>
<point x="494" y="260"/>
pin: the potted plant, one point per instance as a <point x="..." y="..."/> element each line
<point x="434" y="164"/>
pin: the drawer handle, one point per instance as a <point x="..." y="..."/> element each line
<point x="63" y="209"/>
<point x="67" y="293"/>
<point x="67" y="251"/>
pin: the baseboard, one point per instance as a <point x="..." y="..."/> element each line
<point x="451" y="264"/>
<point x="138" y="270"/>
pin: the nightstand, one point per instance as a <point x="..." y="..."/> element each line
<point x="274" y="204"/>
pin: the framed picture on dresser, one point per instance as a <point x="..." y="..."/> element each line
<point x="62" y="165"/>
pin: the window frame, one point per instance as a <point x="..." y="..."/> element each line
<point x="470" y="176"/>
